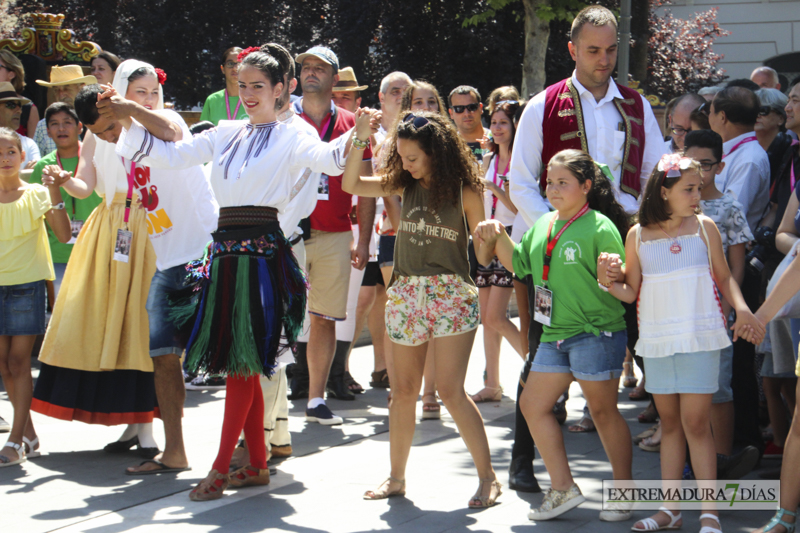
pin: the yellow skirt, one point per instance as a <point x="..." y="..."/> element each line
<point x="99" y="322"/>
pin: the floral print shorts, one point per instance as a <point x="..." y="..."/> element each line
<point x="424" y="307"/>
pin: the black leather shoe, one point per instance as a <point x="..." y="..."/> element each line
<point x="337" y="390"/>
<point x="520" y="475"/>
<point x="738" y="465"/>
<point x="560" y="410"/>
<point x="122" y="446"/>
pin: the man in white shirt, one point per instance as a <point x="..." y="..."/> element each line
<point x="746" y="174"/>
<point x="595" y="55"/>
<point x="614" y="124"/>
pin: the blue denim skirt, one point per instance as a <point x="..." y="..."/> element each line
<point x="22" y="308"/>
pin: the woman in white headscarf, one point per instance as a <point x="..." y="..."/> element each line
<point x="95" y="358"/>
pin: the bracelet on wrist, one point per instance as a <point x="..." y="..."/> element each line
<point x="358" y="144"/>
<point x="603" y="288"/>
<point x="610" y="283"/>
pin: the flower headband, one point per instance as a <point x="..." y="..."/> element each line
<point x="161" y="75"/>
<point x="672" y="164"/>
<point x="247" y="51"/>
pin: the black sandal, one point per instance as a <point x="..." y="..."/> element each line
<point x="352" y="384"/>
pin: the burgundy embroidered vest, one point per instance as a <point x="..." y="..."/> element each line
<point x="563" y="128"/>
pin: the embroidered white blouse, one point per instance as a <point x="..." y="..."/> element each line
<point x="252" y="164"/>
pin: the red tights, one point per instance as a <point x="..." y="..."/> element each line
<point x="244" y="409"/>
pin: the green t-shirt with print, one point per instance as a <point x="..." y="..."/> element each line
<point x="214" y="109"/>
<point x="76" y="209"/>
<point x="579" y="304"/>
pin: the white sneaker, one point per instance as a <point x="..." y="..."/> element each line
<point x="557" y="502"/>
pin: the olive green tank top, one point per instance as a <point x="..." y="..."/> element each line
<point x="431" y="242"/>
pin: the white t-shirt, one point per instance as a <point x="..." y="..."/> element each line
<point x="30" y="149"/>
<point x="181" y="212"/>
<point x="501" y="213"/>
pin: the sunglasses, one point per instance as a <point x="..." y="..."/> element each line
<point x="470" y="107"/>
<point x="765" y="110"/>
<point x="509" y="102"/>
<point x="680" y="132"/>
<point x="417" y="122"/>
<point x="12" y="105"/>
<point x="705" y="108"/>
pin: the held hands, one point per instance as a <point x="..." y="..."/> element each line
<point x="609" y="268"/>
<point x="53" y="176"/>
<point x="113" y="106"/>
<point x="486" y="142"/>
<point x="375" y="121"/>
<point x="363" y="122"/>
<point x="748" y="327"/>
<point x="487" y="233"/>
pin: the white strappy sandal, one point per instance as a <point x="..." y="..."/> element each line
<point x="709" y="529"/>
<point x="30" y="445"/>
<point x="6" y="460"/>
<point x="649" y="524"/>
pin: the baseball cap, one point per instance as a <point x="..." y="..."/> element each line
<point x="323" y="53"/>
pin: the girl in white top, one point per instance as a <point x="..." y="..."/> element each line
<point x="255" y="166"/>
<point x="495" y="282"/>
<point x="674" y="256"/>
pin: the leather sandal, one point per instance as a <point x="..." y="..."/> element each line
<point x="249" y="475"/>
<point x="210" y="488"/>
<point x="385" y="493"/>
<point x="380" y="380"/>
<point x="630" y="380"/>
<point x="483" y="502"/>
<point x="431" y="410"/>
<point x="352" y="384"/>
<point x="488" y="394"/>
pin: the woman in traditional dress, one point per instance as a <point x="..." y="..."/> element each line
<point x="252" y="286"/>
<point x="96" y="365"/>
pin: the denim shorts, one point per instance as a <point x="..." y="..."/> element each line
<point x="586" y="356"/>
<point x="725" y="392"/>
<point x="386" y="250"/>
<point x="683" y="373"/>
<point x="165" y="338"/>
<point x="22" y="308"/>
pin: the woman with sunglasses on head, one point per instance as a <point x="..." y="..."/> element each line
<point x="495" y="282"/>
<point x="432" y="298"/>
<point x="225" y="104"/>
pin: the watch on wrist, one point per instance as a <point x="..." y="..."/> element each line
<point x="58" y="207"/>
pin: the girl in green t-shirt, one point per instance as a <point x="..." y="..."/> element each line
<point x="584" y="334"/>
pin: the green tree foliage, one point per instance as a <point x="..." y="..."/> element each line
<point x="426" y="39"/>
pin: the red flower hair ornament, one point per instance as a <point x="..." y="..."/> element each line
<point x="161" y="75"/>
<point x="247" y="51"/>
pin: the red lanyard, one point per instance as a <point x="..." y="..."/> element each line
<point x="228" y="107"/>
<point x="494" y="180"/>
<point x="551" y="244"/>
<point x="58" y="160"/>
<point x="743" y="141"/>
<point x="129" y="197"/>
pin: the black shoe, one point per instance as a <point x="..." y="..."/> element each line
<point x="738" y="465"/>
<point x="520" y="476"/>
<point x="299" y="390"/>
<point x="323" y="415"/>
<point x="339" y="391"/>
<point x="560" y="410"/>
<point x="122" y="446"/>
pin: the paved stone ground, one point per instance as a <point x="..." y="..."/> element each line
<point x="75" y="486"/>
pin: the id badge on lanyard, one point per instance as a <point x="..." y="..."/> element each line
<point x="122" y="248"/>
<point x="543" y="303"/>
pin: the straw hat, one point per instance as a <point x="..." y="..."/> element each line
<point x="67" y="75"/>
<point x="8" y="94"/>
<point x="347" y="81"/>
